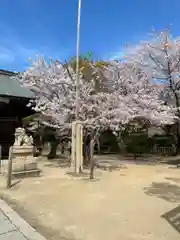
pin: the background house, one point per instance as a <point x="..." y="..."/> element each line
<point x="13" y="101"/>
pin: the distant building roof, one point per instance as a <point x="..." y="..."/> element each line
<point x="11" y="87"/>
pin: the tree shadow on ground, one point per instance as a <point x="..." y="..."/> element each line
<point x="110" y="165"/>
<point x="171" y="160"/>
<point x="166" y="191"/>
<point x="176" y="180"/>
<point x="79" y="175"/>
<point x="58" y="163"/>
<point x="142" y="159"/>
<point x="91" y="180"/>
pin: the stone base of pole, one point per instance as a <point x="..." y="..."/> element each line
<point x="77" y="147"/>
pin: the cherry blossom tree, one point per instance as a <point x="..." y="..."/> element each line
<point x="136" y="89"/>
<point x="160" y="56"/>
<point x="130" y="94"/>
<point x="54" y="88"/>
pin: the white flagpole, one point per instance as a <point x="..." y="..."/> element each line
<point x="76" y="147"/>
<point x="77" y="60"/>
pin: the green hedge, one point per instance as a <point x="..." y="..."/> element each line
<point x="139" y="143"/>
<point x="108" y="142"/>
<point x="163" y="140"/>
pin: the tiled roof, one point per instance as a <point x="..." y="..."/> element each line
<point x="11" y="87"/>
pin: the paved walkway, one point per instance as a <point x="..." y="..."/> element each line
<point x="13" y="227"/>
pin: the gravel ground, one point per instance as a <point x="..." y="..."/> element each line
<point x="127" y="203"/>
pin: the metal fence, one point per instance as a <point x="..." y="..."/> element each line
<point x="163" y="150"/>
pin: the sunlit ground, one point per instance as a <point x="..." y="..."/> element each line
<point x="123" y="204"/>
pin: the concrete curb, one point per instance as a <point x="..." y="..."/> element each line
<point x="28" y="232"/>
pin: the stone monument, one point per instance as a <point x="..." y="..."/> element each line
<point x="23" y="162"/>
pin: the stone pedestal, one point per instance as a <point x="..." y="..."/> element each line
<point x="23" y="159"/>
<point x="23" y="162"/>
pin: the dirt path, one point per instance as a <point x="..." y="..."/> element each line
<point x="125" y="204"/>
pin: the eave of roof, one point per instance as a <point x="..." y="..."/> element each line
<point x="11" y="87"/>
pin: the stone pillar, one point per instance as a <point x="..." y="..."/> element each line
<point x="73" y="147"/>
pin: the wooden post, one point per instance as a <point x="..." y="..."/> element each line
<point x="9" y="170"/>
<point x="91" y="159"/>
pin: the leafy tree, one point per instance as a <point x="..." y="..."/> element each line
<point x="91" y="70"/>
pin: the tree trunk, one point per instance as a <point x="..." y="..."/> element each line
<point x="98" y="146"/>
<point x="92" y="165"/>
<point x="86" y="161"/>
<point x="121" y="145"/>
<point x="86" y="150"/>
<point x="62" y="147"/>
<point x="52" y="153"/>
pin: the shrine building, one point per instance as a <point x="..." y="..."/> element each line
<point x="13" y="101"/>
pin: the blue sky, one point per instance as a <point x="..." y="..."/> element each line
<point x="44" y="27"/>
